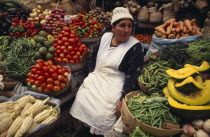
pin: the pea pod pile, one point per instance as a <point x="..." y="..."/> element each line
<point x="153" y="76"/>
<point x="153" y="110"/>
<point x="19" y="58"/>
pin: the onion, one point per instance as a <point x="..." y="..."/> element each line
<point x="188" y="129"/>
<point x="206" y="125"/>
<point x="198" y="123"/>
<point x="184" y="135"/>
<point x="200" y="133"/>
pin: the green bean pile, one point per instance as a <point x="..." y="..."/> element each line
<point x="20" y="58"/>
<point x="154" y="76"/>
<point x="138" y="133"/>
<point x="153" y="110"/>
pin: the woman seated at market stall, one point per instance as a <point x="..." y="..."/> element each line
<point x="114" y="66"/>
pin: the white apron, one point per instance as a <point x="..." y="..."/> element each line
<point x="97" y="98"/>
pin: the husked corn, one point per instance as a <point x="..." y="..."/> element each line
<point x="15" y="126"/>
<point x="6" y="105"/>
<point x="4" y="134"/>
<point x="3" y="115"/>
<point x="44" y="114"/>
<point x="37" y="107"/>
<point x="33" y="127"/>
<point x="25" y="126"/>
<point x="6" y="122"/>
<point x="27" y="106"/>
<point x="50" y="119"/>
<point x="25" y="99"/>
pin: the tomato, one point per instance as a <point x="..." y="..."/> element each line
<point x="77" y="61"/>
<point x="51" y="70"/>
<point x="50" y="62"/>
<point x="79" y="44"/>
<point x="43" y="85"/>
<point x="75" y="57"/>
<point x="49" y="80"/>
<point x="36" y="76"/>
<point x="29" y="75"/>
<point x="62" y="56"/>
<point x="65" y="60"/>
<point x="49" y="86"/>
<point x="55" y="45"/>
<point x="66" y="34"/>
<point x="61" y="71"/>
<point x="56" y="82"/>
<point x="46" y="64"/>
<point x="47" y="75"/>
<point x="56" y="40"/>
<point x="66" y="44"/>
<point x="65" y="80"/>
<point x="72" y="53"/>
<point x="37" y="83"/>
<point x="32" y="81"/>
<point x="69" y="57"/>
<point x="62" y="85"/>
<point x="41" y="79"/>
<point x="56" y="88"/>
<point x="72" y="40"/>
<point x="60" y="36"/>
<point x="39" y="72"/>
<point x="65" y="39"/>
<point x="78" y="53"/>
<point x="71" y="61"/>
<point x="47" y="90"/>
<point x="58" y="52"/>
<point x="40" y="89"/>
<point x="45" y="68"/>
<point x="75" y="49"/>
<point x="65" y="52"/>
<point x="54" y="76"/>
<point x="63" y="48"/>
<point x="66" y="29"/>
<point x="60" y="42"/>
<point x="59" y="60"/>
<point x="76" y="40"/>
<point x="27" y="80"/>
<point x="66" y="74"/>
<point x="80" y="49"/>
<point x="70" y="48"/>
<point x="40" y="61"/>
<point x="33" y="70"/>
<point x="61" y="77"/>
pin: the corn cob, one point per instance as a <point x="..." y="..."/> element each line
<point x="25" y="126"/>
<point x="37" y="107"/>
<point x="7" y="122"/>
<point x="4" y="134"/>
<point x="4" y="115"/>
<point x="44" y="114"/>
<point x="33" y="127"/>
<point x="6" y="105"/>
<point x="27" y="106"/>
<point x="15" y="126"/>
<point x="25" y="99"/>
<point x="50" y="119"/>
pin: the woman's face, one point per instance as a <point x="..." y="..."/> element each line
<point x="122" y="31"/>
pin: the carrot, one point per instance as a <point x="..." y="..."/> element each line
<point x="194" y="28"/>
<point x="181" y="25"/>
<point x="171" y="36"/>
<point x="184" y="29"/>
<point x="176" y="24"/>
<point x="157" y="34"/>
<point x="185" y="35"/>
<point x="172" y="22"/>
<point x="197" y="31"/>
<point x="193" y="20"/>
<point x="178" y="29"/>
<point x="168" y="30"/>
<point x="173" y="30"/>
<point x="160" y="29"/>
<point x="188" y="24"/>
<point x="163" y="36"/>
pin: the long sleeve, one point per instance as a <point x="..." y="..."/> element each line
<point x="93" y="56"/>
<point x="132" y="64"/>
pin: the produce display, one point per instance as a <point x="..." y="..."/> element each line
<point x="68" y="47"/>
<point x="176" y="30"/>
<point x="152" y="110"/>
<point x="85" y="25"/>
<point x="6" y="82"/>
<point x="47" y="77"/>
<point x="102" y="17"/>
<point x="23" y="116"/>
<point x="145" y="38"/>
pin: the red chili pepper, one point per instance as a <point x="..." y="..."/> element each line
<point x="16" y="20"/>
<point x="14" y="24"/>
<point x="26" y="25"/>
<point x="12" y="34"/>
<point x="32" y="26"/>
<point x="18" y="34"/>
<point x="82" y="12"/>
<point x="29" y="30"/>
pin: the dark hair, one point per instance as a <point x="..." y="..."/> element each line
<point x="118" y="21"/>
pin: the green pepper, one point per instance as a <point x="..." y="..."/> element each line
<point x="21" y="29"/>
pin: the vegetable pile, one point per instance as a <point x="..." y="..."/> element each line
<point x="145" y="38"/>
<point x="152" y="110"/>
<point x="25" y="115"/>
<point x="85" y="25"/>
<point x="47" y="77"/>
<point x="172" y="29"/>
<point x="68" y="47"/>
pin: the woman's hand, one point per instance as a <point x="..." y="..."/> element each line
<point x="118" y="112"/>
